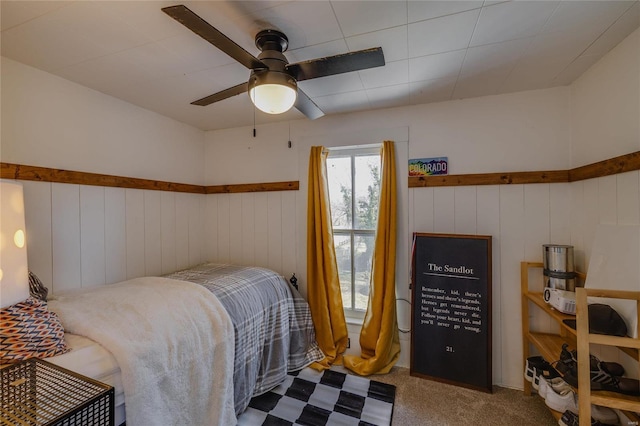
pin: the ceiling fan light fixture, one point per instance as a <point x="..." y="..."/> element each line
<point x="273" y="92"/>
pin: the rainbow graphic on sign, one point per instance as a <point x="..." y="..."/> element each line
<point x="428" y="166"/>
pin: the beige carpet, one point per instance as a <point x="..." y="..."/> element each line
<point x="423" y="402"/>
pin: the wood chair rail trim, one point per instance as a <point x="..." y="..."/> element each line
<point x="612" y="166"/>
<point x="45" y="174"/>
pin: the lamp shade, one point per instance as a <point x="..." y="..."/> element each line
<point x="14" y="272"/>
<point x="273" y="92"/>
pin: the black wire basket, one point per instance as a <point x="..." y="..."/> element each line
<point x="36" y="392"/>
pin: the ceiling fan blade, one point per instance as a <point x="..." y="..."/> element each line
<point x="224" y="94"/>
<point x="305" y="105"/>
<point x="338" y="64"/>
<point x="201" y="27"/>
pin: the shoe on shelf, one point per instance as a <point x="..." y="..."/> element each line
<point x="536" y="367"/>
<point x="529" y="367"/>
<point x="570" y="418"/>
<point x="603" y="375"/>
<point x="623" y="385"/>
<point x="561" y="401"/>
<point x="557" y="384"/>
<point x="570" y="360"/>
<point x="568" y="401"/>
<point x="612" y="368"/>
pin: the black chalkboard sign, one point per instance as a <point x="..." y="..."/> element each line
<point x="451" y="309"/>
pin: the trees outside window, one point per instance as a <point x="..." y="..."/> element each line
<point x="354" y="191"/>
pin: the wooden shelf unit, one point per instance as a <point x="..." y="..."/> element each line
<point x="550" y="345"/>
<point x="584" y="339"/>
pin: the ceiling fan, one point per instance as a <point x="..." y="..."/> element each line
<point x="272" y="84"/>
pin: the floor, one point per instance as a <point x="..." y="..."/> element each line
<point x="429" y="403"/>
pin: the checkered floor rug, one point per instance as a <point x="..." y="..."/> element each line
<point x="312" y="398"/>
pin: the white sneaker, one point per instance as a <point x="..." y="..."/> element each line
<point x="558" y="385"/>
<point x="568" y="400"/>
<point x="561" y="401"/>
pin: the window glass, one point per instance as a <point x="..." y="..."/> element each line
<point x="339" y="180"/>
<point x="367" y="191"/>
<point x="343" y="258"/>
<point x="353" y="177"/>
<point x="363" y="251"/>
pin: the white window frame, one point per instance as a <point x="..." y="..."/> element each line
<point x="352" y="152"/>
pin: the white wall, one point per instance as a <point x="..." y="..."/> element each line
<point x="605" y="116"/>
<point x="86" y="235"/>
<point x="51" y="122"/>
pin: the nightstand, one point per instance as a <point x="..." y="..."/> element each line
<point x="37" y="393"/>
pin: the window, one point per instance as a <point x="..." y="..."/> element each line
<point x="353" y="176"/>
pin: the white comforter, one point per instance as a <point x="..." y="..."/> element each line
<point x="174" y="343"/>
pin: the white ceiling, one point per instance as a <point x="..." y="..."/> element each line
<point x="434" y="50"/>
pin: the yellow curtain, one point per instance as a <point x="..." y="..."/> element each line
<point x="379" y="339"/>
<point x="323" y="283"/>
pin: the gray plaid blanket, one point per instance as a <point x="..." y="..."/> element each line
<point x="274" y="331"/>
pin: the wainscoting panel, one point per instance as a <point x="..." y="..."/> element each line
<point x="248" y="228"/>
<point x="511" y="253"/>
<point x="421" y="210"/>
<point x="536" y="219"/>
<point x="236" y="227"/>
<point x="465" y="204"/>
<point x="289" y="232"/>
<point x="224" y="224"/>
<point x="274" y="234"/>
<point x="80" y="235"/>
<point x="559" y="218"/>
<point x="196" y="218"/>
<point x="261" y="223"/>
<point x="444" y="210"/>
<point x="37" y="209"/>
<point x="608" y="199"/>
<point x="536" y="229"/>
<point x="92" y="235"/>
<point x="211" y="227"/>
<point x="591" y="197"/>
<point x="65" y="237"/>
<point x="152" y="233"/>
<point x="487" y="211"/>
<point x="135" y="233"/>
<point x="182" y="231"/>
<point x="488" y="223"/>
<point x="168" y="226"/>
<point x="115" y="232"/>
<point x="252" y="228"/>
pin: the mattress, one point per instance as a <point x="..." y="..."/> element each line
<point x="91" y="359"/>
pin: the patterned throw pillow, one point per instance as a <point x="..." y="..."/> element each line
<point x="36" y="288"/>
<point x="30" y="330"/>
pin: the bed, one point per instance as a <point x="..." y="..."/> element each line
<point x="230" y="333"/>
